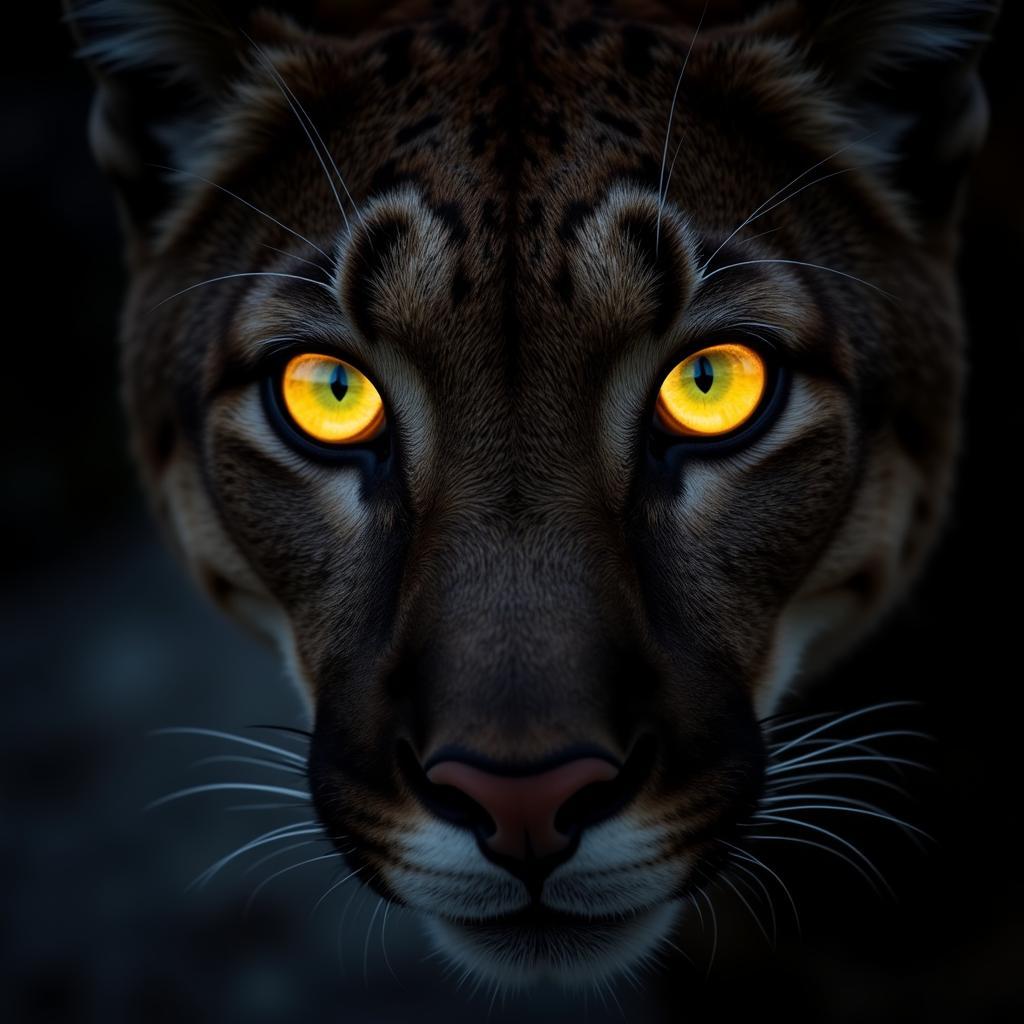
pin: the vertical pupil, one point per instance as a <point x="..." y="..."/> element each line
<point x="703" y="374"/>
<point x="339" y="382"/>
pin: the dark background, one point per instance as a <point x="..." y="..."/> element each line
<point x="103" y="640"/>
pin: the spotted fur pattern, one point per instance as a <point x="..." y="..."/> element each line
<point x="522" y="243"/>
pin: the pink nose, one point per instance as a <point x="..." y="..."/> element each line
<point x="523" y="807"/>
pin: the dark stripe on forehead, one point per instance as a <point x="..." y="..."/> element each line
<point x="509" y="77"/>
<point x="660" y="251"/>
<point x="367" y="258"/>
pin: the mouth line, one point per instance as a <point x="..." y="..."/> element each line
<point x="538" y="917"/>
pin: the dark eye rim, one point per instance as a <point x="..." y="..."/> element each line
<point x="375" y="450"/>
<point x="666" y="446"/>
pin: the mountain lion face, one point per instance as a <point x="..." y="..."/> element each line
<point x="556" y="384"/>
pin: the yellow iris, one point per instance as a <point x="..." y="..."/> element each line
<point x="712" y="392"/>
<point x="330" y="400"/>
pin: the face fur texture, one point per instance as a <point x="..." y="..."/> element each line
<point x="539" y="633"/>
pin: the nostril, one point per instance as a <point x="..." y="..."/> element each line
<point x="447" y="802"/>
<point x="602" y="799"/>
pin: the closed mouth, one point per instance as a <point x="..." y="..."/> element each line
<point x="570" y="949"/>
<point x="538" y="917"/>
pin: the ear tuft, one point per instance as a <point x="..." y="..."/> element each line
<point x="177" y="40"/>
<point x="907" y="72"/>
<point x="162" y="70"/>
<point x="873" y="40"/>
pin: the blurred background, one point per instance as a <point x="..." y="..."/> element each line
<point x="104" y="641"/>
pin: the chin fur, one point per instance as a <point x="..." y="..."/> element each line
<point x="575" y="954"/>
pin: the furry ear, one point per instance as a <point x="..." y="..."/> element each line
<point x="162" y="67"/>
<point x="907" y="69"/>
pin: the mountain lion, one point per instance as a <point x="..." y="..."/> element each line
<point x="556" y="384"/>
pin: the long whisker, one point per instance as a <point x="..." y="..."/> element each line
<point x="678" y="949"/>
<point x="747" y="855"/>
<point x="750" y="910"/>
<point x="332" y="887"/>
<point x="304" y="734"/>
<point x="714" y="929"/>
<point x="858" y="742"/>
<point x="265" y="807"/>
<point x="283" y="871"/>
<point x="662" y="185"/>
<point x="262" y="762"/>
<point x="278" y="853"/>
<point x="848" y="717"/>
<point x="273" y="836"/>
<point x="802" y="263"/>
<point x="852" y="759"/>
<point x="388" y="904"/>
<point x="800" y="823"/>
<point x="842" y="809"/>
<point x="188" y="730"/>
<point x="231" y="277"/>
<point x="213" y="787"/>
<point x="776" y="723"/>
<point x="245" y="202"/>
<point x="294" y="256"/>
<point x="357" y="891"/>
<point x="775" y="195"/>
<point x="796" y="781"/>
<point x="821" y="846"/>
<point x="366" y="944"/>
<point x="306" y="123"/>
<point x="765" y="894"/>
<point x="700" y="913"/>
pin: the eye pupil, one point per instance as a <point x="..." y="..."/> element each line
<point x="713" y="392"/>
<point x="703" y="374"/>
<point x="330" y="401"/>
<point x="339" y="383"/>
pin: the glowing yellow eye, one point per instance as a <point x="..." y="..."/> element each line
<point x="330" y="400"/>
<point x="712" y="392"/>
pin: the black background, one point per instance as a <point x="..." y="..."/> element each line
<point x="103" y="640"/>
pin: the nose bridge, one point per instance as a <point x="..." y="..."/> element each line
<point x="516" y="642"/>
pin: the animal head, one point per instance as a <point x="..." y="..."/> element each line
<point x="557" y="385"/>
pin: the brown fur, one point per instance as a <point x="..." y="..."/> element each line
<point x="524" y="580"/>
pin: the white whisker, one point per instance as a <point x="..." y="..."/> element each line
<point x="800" y="823"/>
<point x="891" y="762"/>
<point x="366" y="944"/>
<point x="231" y="277"/>
<point x="802" y="263"/>
<point x="821" y="846"/>
<point x="182" y="730"/>
<point x="842" y="809"/>
<point x="857" y="742"/>
<point x="849" y="716"/>
<point x="740" y="852"/>
<point x="331" y="889"/>
<point x="306" y="123"/>
<point x="262" y="762"/>
<point x="714" y="929"/>
<point x="273" y="836"/>
<point x="283" y="871"/>
<point x="775" y="195"/>
<point x="383" y="938"/>
<point x="293" y="256"/>
<point x="662" y="184"/>
<point x="796" y="781"/>
<point x="213" y="787"/>
<point x="761" y="892"/>
<point x="277" y="853"/>
<point x="245" y="202"/>
<point x="750" y="910"/>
